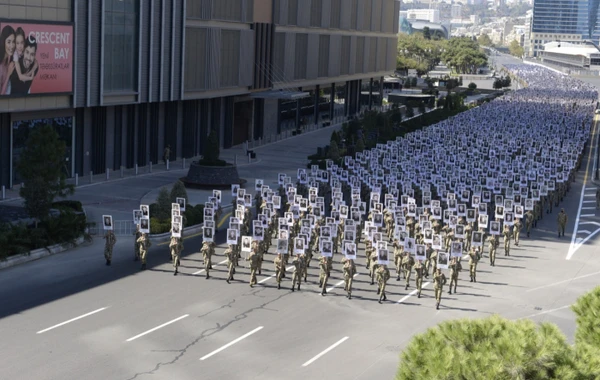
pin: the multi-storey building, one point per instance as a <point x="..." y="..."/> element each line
<point x="122" y="79"/>
<point x="563" y="20"/>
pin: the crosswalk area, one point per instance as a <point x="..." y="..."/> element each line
<point x="587" y="222"/>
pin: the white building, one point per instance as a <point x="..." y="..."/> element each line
<point x="573" y="56"/>
<point x="430" y="15"/>
<point x="527" y="43"/>
<point x="456" y="11"/>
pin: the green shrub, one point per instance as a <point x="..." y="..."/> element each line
<point x="163" y="203"/>
<point x="159" y="226"/>
<point x="194" y="215"/>
<point x="179" y="191"/>
<point x="472" y="86"/>
<point x="61" y="229"/>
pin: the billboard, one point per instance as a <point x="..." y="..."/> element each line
<point x="35" y="58"/>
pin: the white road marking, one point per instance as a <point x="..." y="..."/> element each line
<point x="326" y="351"/>
<point x="562" y="282"/>
<point x="588" y="208"/>
<point x="71" y="320"/>
<point x="594" y="223"/>
<point x="338" y="284"/>
<point x="585" y="232"/>
<point x="546" y="312"/>
<point x="158" y="327"/>
<point x="589" y="201"/>
<point x="231" y="343"/>
<point x="412" y="293"/>
<point x="273" y="275"/>
<point x="587" y="215"/>
<point x="202" y="270"/>
<point x="589" y="195"/>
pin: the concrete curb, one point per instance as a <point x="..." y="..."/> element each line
<point x="38" y="254"/>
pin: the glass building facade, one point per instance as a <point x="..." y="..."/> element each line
<point x="566" y="17"/>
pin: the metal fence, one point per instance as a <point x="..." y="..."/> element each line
<point x="120" y="228"/>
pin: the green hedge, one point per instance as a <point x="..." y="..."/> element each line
<point x="192" y="216"/>
<point x="20" y="238"/>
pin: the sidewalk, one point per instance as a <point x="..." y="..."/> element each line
<point x="123" y="192"/>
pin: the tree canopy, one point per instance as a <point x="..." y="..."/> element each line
<point x="463" y="55"/>
<point x="490" y="348"/>
<point x="417" y="52"/>
<point x="485" y="40"/>
<point x="516" y="49"/>
<point x="41" y="167"/>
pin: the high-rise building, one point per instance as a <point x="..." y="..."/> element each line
<point x="122" y="79"/>
<point x="456" y="11"/>
<point x="563" y="20"/>
<point x="430" y="15"/>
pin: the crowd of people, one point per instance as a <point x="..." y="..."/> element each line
<point x="424" y="204"/>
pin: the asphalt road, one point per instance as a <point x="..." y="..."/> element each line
<point x="71" y="317"/>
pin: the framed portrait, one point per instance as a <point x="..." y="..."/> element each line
<point x="442" y="260"/>
<point x="383" y="257"/>
<point x="421" y="252"/>
<point x="145" y="211"/>
<point x="529" y="204"/>
<point x="459" y="231"/>
<point x="471" y="215"/>
<point x="137" y="215"/>
<point x="350" y="250"/>
<point x="482" y="221"/>
<point x="257" y="230"/>
<point x="299" y="245"/>
<point x="246" y="243"/>
<point x="217" y="194"/>
<point x="495" y="227"/>
<point x="177" y="219"/>
<point x="282" y="246"/>
<point x="456" y="249"/>
<point x="181" y="203"/>
<point x="208" y="234"/>
<point x="176" y="230"/>
<point x="232" y="236"/>
<point x="145" y="225"/>
<point x="477" y="239"/>
<point x="234" y="190"/>
<point x="107" y="222"/>
<point x="436" y="243"/>
<point x="258" y="184"/>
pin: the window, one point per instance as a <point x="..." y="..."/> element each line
<point x="293" y="12"/>
<point x="323" y="55"/>
<point x="121" y="18"/>
<point x="316" y="7"/>
<point x="300" y="63"/>
<point x="230" y="58"/>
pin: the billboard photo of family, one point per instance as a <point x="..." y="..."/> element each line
<point x="35" y="59"/>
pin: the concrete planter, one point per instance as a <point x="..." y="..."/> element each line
<point x="37" y="254"/>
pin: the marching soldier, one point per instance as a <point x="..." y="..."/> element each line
<point x="407" y="265"/>
<point x="299" y="267"/>
<point x="439" y="280"/>
<point x="253" y="258"/>
<point x="349" y="272"/>
<point x="279" y="270"/>
<point x="562" y="222"/>
<point x="506" y="234"/>
<point x="176" y="247"/>
<point x="517" y="231"/>
<point x="108" y="247"/>
<point x="455" y="268"/>
<point x="474" y="257"/>
<point x="419" y="272"/>
<point x="231" y="256"/>
<point x="431" y="260"/>
<point x="144" y="244"/>
<point x="492" y="244"/>
<point x="528" y="221"/>
<point x="136" y="246"/>
<point x="207" y="252"/>
<point x="398" y="252"/>
<point x="323" y="274"/>
<point x="383" y="275"/>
